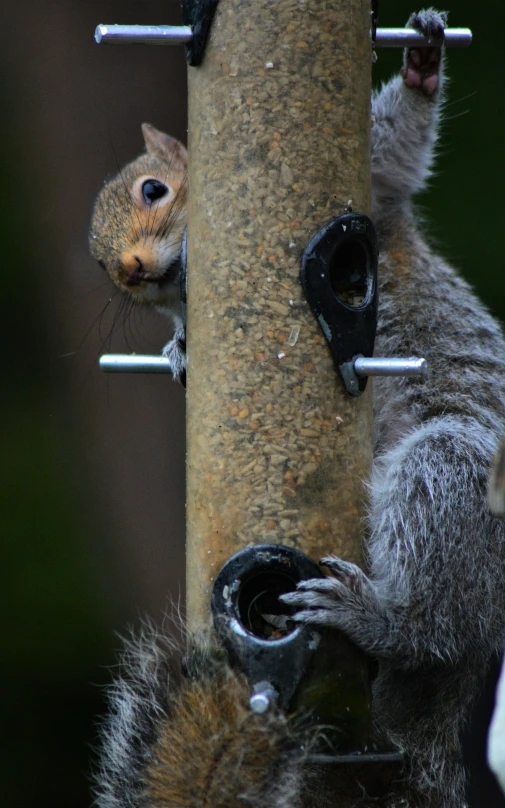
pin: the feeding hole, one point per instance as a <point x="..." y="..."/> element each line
<point x="349" y="273"/>
<point x="260" y="610"/>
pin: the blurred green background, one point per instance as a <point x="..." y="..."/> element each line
<point x="92" y="522"/>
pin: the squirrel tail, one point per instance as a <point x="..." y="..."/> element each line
<point x="175" y="742"/>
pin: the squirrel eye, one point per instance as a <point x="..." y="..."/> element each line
<point x="153" y="190"/>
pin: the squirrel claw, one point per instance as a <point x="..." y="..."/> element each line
<point x="347" y="573"/>
<point x="430" y="23"/>
<point x="322" y="593"/>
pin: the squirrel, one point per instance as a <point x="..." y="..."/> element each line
<point x="431" y="609"/>
<point x="136" y="232"/>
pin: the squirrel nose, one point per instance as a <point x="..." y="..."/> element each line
<point x="134" y="270"/>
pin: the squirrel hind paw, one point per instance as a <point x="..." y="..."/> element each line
<point x="421" y="64"/>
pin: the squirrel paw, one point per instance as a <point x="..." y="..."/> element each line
<point x="421" y="65"/>
<point x="347" y="573"/>
<point x="348" y="602"/>
<point x="175" y="352"/>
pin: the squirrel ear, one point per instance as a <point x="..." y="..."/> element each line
<point x="164" y="147"/>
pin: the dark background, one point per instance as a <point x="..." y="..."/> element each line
<point x="92" y="522"/>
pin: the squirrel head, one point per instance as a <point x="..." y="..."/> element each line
<point x="138" y="221"/>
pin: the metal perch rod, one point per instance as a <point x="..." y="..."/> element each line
<point x="143" y="34"/>
<point x="182" y="35"/>
<point x="408" y="38"/>
<point x="390" y="367"/>
<point x="124" y="363"/>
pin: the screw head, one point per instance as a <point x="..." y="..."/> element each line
<point x="260" y="703"/>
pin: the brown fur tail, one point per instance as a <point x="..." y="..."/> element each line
<point x="172" y="742"/>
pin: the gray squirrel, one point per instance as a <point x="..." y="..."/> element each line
<point x="432" y="608"/>
<point x="136" y="232"/>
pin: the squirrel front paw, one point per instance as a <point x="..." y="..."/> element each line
<point x="348" y="601"/>
<point x="175" y="352"/>
<point x="421" y="64"/>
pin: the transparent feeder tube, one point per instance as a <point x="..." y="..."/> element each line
<point x="279" y="143"/>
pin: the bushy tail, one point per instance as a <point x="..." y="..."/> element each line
<point x="175" y="742"/>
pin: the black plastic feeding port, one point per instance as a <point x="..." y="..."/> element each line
<point x="184" y="276"/>
<point x="253" y="624"/>
<point x="339" y="279"/>
<point x="348" y="271"/>
<point x="259" y="609"/>
<point x="199" y="15"/>
<point x="318" y="674"/>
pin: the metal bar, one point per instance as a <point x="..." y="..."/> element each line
<point x="143" y="34"/>
<point x="413" y="367"/>
<point x="134" y="363"/>
<point x="124" y="363"/>
<point x="182" y="35"/>
<point x="408" y="38"/>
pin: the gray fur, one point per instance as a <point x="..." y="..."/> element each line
<point x="433" y="607"/>
<point x="405" y="129"/>
<point x="139" y="700"/>
<point x="175" y="351"/>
